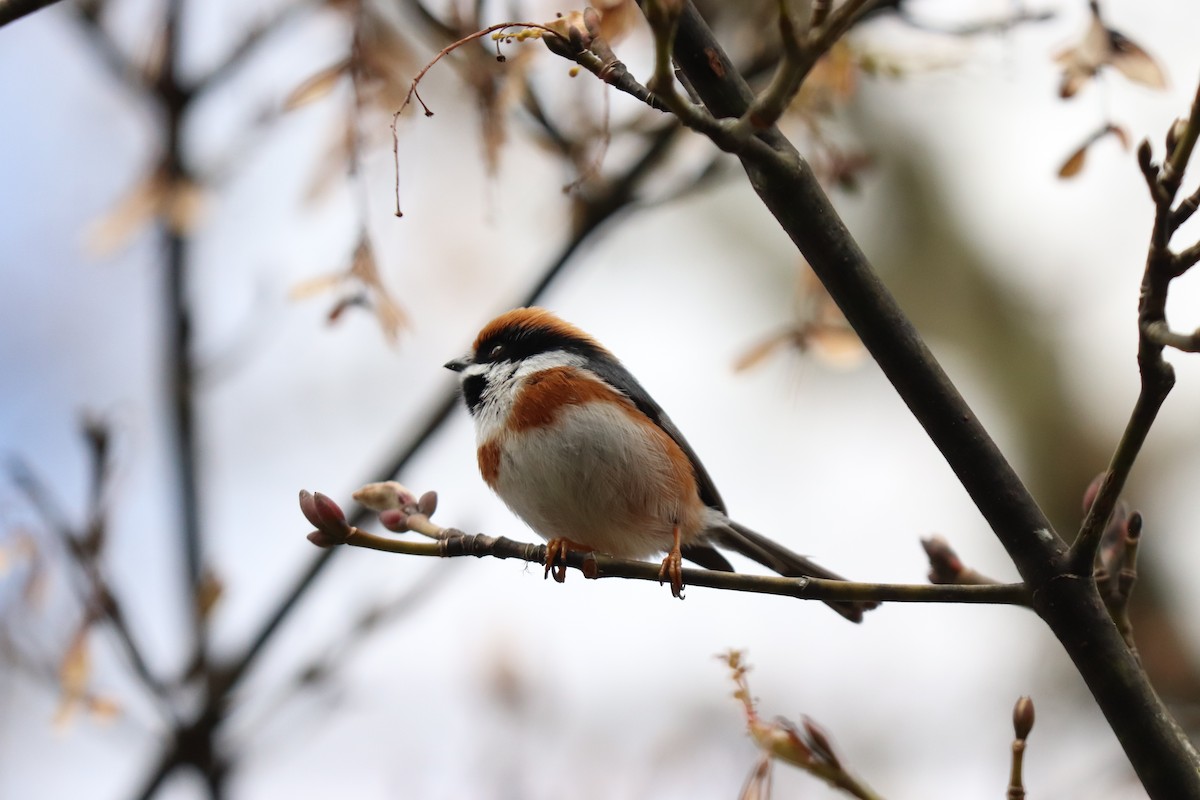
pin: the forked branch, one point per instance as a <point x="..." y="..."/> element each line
<point x="1163" y="265"/>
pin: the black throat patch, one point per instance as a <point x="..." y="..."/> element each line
<point x="472" y="389"/>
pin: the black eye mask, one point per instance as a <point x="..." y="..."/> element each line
<point x="520" y="343"/>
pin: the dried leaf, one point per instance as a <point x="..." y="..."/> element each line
<point x="617" y="18"/>
<point x="832" y="82"/>
<point x="388" y="312"/>
<point x="74" y="671"/>
<point x="209" y="592"/>
<point x="180" y="203"/>
<point x="1073" y="165"/>
<point x="1102" y="46"/>
<point x="391" y="316"/>
<point x="1091" y="51"/>
<point x="363" y="287"/>
<point x="18" y="549"/>
<point x="75" y="668"/>
<point x="758" y="785"/>
<point x="183" y="206"/>
<point x="316" y="86"/>
<point x="113" y="230"/>
<point x="333" y="165"/>
<point x="1072" y="81"/>
<point x="757" y="353"/>
<point x="1135" y="63"/>
<point x="386" y="59"/>
<point x="103" y="709"/>
<point x="356" y="300"/>
<point x="315" y="286"/>
<point x="363" y="265"/>
<point x="837" y="346"/>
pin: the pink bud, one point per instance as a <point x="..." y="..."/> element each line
<point x="428" y="503"/>
<point x="322" y="539"/>
<point x="394" y="520"/>
<point x="328" y="512"/>
<point x="384" y="495"/>
<point x="308" y="508"/>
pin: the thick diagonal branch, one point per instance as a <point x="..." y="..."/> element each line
<point x="1167" y="764"/>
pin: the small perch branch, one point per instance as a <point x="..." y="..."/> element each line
<point x="456" y="544"/>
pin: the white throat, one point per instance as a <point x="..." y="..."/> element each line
<point x="502" y="380"/>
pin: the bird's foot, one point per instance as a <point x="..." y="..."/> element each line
<point x="556" y="557"/>
<point x="672" y="567"/>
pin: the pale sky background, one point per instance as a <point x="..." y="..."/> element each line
<point x="623" y="695"/>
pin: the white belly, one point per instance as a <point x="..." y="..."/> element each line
<point x="610" y="492"/>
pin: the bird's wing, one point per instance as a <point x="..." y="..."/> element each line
<point x="615" y="374"/>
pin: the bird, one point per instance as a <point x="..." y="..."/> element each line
<point x="575" y="447"/>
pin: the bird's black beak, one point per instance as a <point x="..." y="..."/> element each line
<point x="459" y="364"/>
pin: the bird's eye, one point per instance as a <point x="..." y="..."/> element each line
<point x="495" y="352"/>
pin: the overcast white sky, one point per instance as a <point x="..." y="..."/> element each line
<point x="623" y="695"/>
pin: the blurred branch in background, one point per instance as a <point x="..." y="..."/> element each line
<point x="173" y="197"/>
<point x="11" y="10"/>
<point x="802" y="76"/>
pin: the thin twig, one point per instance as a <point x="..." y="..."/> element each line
<point x="595" y="566"/>
<point x="92" y="587"/>
<point x="450" y="48"/>
<point x="119" y="66"/>
<point x="800" y="55"/>
<point x="730" y="135"/>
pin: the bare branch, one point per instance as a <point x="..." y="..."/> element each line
<point x="1186" y="208"/>
<point x="800" y="54"/>
<point x="1187" y="258"/>
<point x="88" y="16"/>
<point x="730" y="135"/>
<point x="94" y="592"/>
<point x="1160" y="753"/>
<point x="1157" y="376"/>
<point x="1181" y="153"/>
<point x="593" y="566"/>
<point x="1158" y="334"/>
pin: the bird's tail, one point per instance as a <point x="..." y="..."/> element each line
<point x="778" y="558"/>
